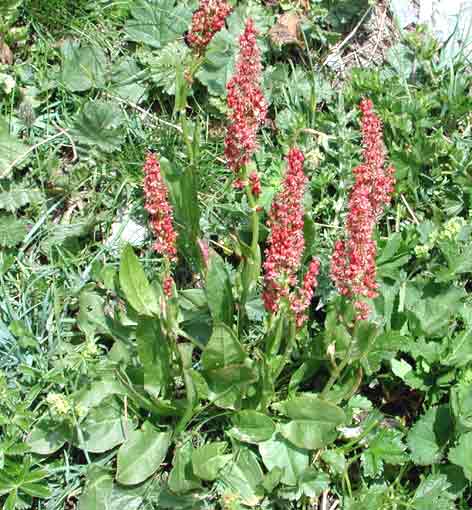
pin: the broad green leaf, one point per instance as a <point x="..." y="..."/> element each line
<point x="460" y="353"/>
<point x="48" y="436"/>
<point x="308" y="434"/>
<point x="12" y="231"/>
<point x="433" y="492"/>
<point x="127" y="81"/>
<point x="252" y="426"/>
<point x="183" y="188"/>
<point x="335" y="459"/>
<point x="99" y="124"/>
<point x="223" y="349"/>
<point x="279" y="453"/>
<point x="141" y="455"/>
<point x="429" y="435"/>
<point x="433" y="313"/>
<point x="311" y="407"/>
<point x="94" y="392"/>
<point x="243" y="477"/>
<point x="16" y="198"/>
<point x="219" y="290"/>
<point x="157" y="22"/>
<point x="36" y="490"/>
<point x="105" y="427"/>
<point x="129" y="498"/>
<point x="91" y="318"/>
<point x="135" y="285"/>
<point x="11" y="149"/>
<point x="155" y="356"/>
<point x="218" y="66"/>
<point x="83" y="67"/>
<point x="313" y="482"/>
<point x="182" y="478"/>
<point x="97" y="489"/>
<point x="162" y="65"/>
<point x="461" y="405"/>
<point x="208" y="460"/>
<point x="385" y="447"/>
<point x="67" y="234"/>
<point x="461" y="454"/>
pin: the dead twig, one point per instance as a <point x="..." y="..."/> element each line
<point x="409" y="209"/>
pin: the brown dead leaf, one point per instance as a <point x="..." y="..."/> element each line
<point x="286" y="30"/>
<point x="6" y="55"/>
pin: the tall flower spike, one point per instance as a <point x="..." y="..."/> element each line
<point x="160" y="211"/>
<point x="353" y="267"/>
<point x="246" y="103"/>
<point x="286" y="244"/>
<point x="207" y="20"/>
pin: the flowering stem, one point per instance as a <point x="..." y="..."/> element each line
<point x="254" y="221"/>
<point x="337" y="371"/>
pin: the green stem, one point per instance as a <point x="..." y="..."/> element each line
<point x="288" y="348"/>
<point x="254" y="221"/>
<point x="337" y="372"/>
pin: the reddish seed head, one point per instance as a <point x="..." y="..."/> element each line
<point x="207" y="20"/>
<point x="246" y="103"/>
<point x="160" y="212"/>
<point x="286" y="244"/>
<point x="167" y="285"/>
<point x="353" y="267"/>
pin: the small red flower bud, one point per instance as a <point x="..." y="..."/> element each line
<point x="207" y="20"/>
<point x="159" y="209"/>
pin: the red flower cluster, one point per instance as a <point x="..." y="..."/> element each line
<point x="255" y="184"/>
<point x="207" y="20"/>
<point x="159" y="209"/>
<point x="247" y="105"/>
<point x="353" y="263"/>
<point x="286" y="244"/>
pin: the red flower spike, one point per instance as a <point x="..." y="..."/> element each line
<point x="302" y="299"/>
<point x="286" y="244"/>
<point x="246" y="103"/>
<point x="255" y="184"/>
<point x="167" y="285"/>
<point x="353" y="267"/>
<point x="160" y="211"/>
<point x="207" y="20"/>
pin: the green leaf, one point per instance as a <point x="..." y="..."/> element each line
<point x="154" y="354"/>
<point x="279" y="453"/>
<point x="105" y="427"/>
<point x="83" y="67"/>
<point x="433" y="492"/>
<point x="11" y="149"/>
<point x="135" y="285"/>
<point x="208" y="460"/>
<point x="461" y="454"/>
<point x="335" y="459"/>
<point x="223" y="349"/>
<point x="16" y="198"/>
<point x="219" y="290"/>
<point x="218" y="65"/>
<point x="65" y="234"/>
<point x="99" y="124"/>
<point x="127" y="81"/>
<point x="252" y="426"/>
<point x="311" y="407"/>
<point x="308" y="434"/>
<point x="162" y="65"/>
<point x="385" y="447"/>
<point x="433" y="312"/>
<point x="461" y="405"/>
<point x="182" y="478"/>
<point x="157" y="22"/>
<point x="48" y="436"/>
<point x="125" y="497"/>
<point x="429" y="436"/>
<point x="141" y="455"/>
<point x="460" y="353"/>
<point x="12" y="231"/>
<point x="98" y="489"/>
<point x="243" y="478"/>
<point x="313" y="482"/>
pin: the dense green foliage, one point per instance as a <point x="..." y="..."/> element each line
<point x="110" y="402"/>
